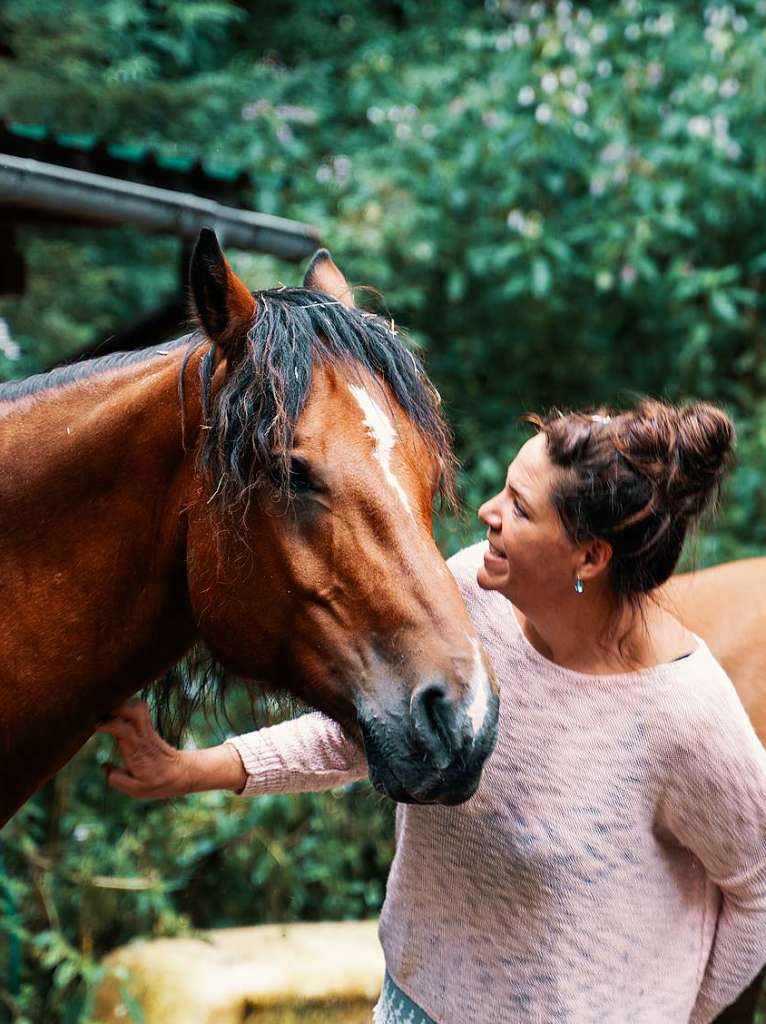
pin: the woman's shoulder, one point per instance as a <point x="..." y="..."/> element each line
<point x="702" y="697"/>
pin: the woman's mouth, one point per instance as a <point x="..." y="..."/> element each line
<point x="494" y="558"/>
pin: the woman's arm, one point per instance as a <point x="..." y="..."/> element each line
<point x="308" y="754"/>
<point x="304" y="755"/>
<point x="715" y="805"/>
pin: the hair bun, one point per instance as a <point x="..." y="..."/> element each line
<point x="684" y="450"/>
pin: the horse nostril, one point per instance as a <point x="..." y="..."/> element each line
<point x="434" y="718"/>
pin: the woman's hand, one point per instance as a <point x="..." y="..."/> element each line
<point x="151" y="767"/>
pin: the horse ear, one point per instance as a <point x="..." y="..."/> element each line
<point x="224" y="304"/>
<point x="323" y="276"/>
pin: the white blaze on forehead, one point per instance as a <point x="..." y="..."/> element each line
<point x="381" y="430"/>
<point x="477" y="709"/>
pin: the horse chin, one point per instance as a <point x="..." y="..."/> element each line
<point x="386" y="783"/>
<point x="402" y="772"/>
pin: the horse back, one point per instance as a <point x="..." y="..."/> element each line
<point x="726" y="606"/>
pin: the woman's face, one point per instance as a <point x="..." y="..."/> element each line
<point x="529" y="559"/>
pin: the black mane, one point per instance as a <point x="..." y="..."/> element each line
<point x="251" y="423"/>
<point x="61" y="376"/>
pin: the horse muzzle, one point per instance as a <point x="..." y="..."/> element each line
<point x="432" y="751"/>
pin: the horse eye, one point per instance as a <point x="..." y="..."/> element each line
<point x="301" y="481"/>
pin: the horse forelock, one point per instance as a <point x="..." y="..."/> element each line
<point x="250" y="422"/>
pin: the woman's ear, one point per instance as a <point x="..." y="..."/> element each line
<point x="596" y="556"/>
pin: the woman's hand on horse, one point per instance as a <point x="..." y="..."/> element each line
<point x="152" y="769"/>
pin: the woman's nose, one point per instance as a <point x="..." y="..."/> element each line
<point x="489" y="515"/>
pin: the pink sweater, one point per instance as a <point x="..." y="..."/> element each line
<point x="612" y="864"/>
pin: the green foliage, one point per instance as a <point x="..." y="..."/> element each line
<point x="564" y="205"/>
<point x="87" y="870"/>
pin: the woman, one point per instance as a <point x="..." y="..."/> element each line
<point x="612" y="865"/>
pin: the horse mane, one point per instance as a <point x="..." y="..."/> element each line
<point x="61" y="376"/>
<point x="250" y="424"/>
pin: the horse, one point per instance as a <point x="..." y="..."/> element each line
<point x="264" y="486"/>
<point x="726" y="606"/>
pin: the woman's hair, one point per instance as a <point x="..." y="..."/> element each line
<point x="637" y="479"/>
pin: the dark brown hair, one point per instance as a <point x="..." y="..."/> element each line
<point x="637" y="479"/>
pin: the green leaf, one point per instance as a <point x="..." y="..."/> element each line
<point x="541" y="277"/>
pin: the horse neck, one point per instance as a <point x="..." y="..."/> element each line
<point x="94" y="481"/>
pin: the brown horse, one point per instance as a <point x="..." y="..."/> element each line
<point x="265" y="486"/>
<point x="726" y="606"/>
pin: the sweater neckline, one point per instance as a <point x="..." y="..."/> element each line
<point x="663" y="670"/>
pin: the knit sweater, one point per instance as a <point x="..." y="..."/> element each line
<point x="610" y="867"/>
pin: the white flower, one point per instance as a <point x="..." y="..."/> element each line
<point x="342" y="167"/>
<point x="9" y="348"/>
<point x="729" y="88"/>
<point x="604" y="68"/>
<point x="549" y="82"/>
<point x="577" y="45"/>
<point x="577" y="105"/>
<point x="633" y="32"/>
<point x="583" y="89"/>
<point x="375" y="115"/>
<point x="428" y="131"/>
<point x="521" y="34"/>
<point x="699" y="126"/>
<point x="81" y="832"/>
<point x="504" y="42"/>
<point x="537" y="10"/>
<point x="720" y="126"/>
<point x="581" y="129"/>
<point x="568" y="75"/>
<point x="543" y="113"/>
<point x="654" y="72"/>
<point x="665" y="23"/>
<point x="598" y="34"/>
<point x="710" y="83"/>
<point x="526" y="96"/>
<point x="403" y="132"/>
<point x="324" y="174"/>
<point x="597" y="185"/>
<point x="516" y="221"/>
<point x="604" y="280"/>
<point x="733" y="150"/>
<point x="740" y="23"/>
<point x="491" y="119"/>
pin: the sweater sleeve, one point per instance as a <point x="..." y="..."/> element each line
<point x="714" y="804"/>
<point x="305" y="755"/>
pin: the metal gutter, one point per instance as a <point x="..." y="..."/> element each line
<point x="56" y="189"/>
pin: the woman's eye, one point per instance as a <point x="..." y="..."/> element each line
<point x="519" y="510"/>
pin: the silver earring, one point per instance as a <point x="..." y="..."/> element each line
<point x="579" y="586"/>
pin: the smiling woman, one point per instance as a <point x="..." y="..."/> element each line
<point x="612" y="863"/>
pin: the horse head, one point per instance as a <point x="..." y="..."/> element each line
<point x="310" y="557"/>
